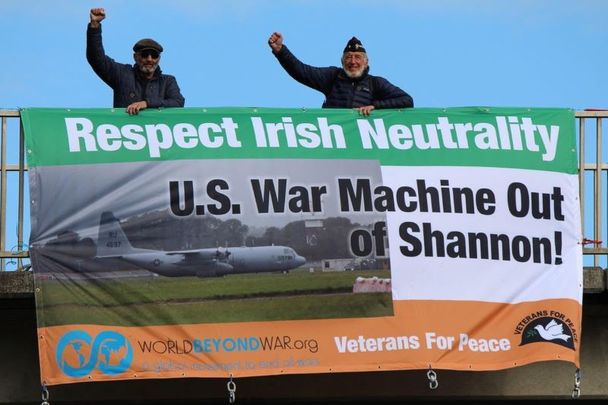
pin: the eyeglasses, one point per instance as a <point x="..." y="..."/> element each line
<point x="149" y="52"/>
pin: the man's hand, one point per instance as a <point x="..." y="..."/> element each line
<point x="133" y="109"/>
<point x="276" y="41"/>
<point x="97" y="15"/>
<point x="365" y="110"/>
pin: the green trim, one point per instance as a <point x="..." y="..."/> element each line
<point x="527" y="138"/>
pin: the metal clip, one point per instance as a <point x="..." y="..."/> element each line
<point x="576" y="391"/>
<point x="596" y="242"/>
<point x="45" y="395"/>
<point x="231" y="390"/>
<point x="432" y="376"/>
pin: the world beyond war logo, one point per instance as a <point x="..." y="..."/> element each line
<point x="545" y="326"/>
<point x="78" y="354"/>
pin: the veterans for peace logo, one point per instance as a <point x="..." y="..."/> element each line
<point x="550" y="329"/>
<point x="77" y="354"/>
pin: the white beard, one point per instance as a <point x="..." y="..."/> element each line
<point x="356" y="74"/>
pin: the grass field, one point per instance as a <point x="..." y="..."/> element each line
<point x="183" y="300"/>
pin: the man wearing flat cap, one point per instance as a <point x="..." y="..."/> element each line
<point x="348" y="87"/>
<point x="136" y="87"/>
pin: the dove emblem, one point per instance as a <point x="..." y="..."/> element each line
<point x="552" y="331"/>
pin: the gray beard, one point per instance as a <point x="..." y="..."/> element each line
<point x="355" y="75"/>
<point x="148" y="69"/>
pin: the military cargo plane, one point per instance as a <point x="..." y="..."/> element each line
<point x="209" y="262"/>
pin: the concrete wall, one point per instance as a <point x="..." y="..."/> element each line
<point x="19" y="375"/>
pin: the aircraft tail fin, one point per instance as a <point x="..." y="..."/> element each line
<point x="112" y="240"/>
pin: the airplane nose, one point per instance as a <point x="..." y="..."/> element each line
<point x="300" y="260"/>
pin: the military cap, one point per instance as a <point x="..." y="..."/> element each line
<point x="354" y="45"/>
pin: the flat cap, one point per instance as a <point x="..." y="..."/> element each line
<point x="147" y="43"/>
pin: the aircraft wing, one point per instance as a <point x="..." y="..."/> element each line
<point x="201" y="256"/>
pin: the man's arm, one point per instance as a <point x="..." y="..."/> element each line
<point x="318" y="78"/>
<point x="170" y="97"/>
<point x="103" y="66"/>
<point x="173" y="97"/>
<point x="387" y="95"/>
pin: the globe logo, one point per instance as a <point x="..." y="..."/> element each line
<point x="77" y="354"/>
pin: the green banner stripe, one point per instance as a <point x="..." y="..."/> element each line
<point x="539" y="138"/>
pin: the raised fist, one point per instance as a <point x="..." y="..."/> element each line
<point x="97" y="15"/>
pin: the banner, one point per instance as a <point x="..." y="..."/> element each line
<point x="242" y="242"/>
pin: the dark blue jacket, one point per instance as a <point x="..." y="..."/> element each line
<point x="127" y="81"/>
<point x="341" y="91"/>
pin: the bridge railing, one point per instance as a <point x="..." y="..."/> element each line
<point x="593" y="177"/>
<point x="593" y="189"/>
<point x="14" y="253"/>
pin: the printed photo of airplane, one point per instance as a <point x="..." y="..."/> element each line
<point x="209" y="262"/>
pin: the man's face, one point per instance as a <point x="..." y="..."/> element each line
<point x="147" y="60"/>
<point x="354" y="64"/>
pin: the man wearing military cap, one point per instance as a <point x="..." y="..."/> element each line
<point x="348" y="87"/>
<point x="136" y="87"/>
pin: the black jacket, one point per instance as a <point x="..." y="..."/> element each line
<point x="128" y="83"/>
<point x="341" y="91"/>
